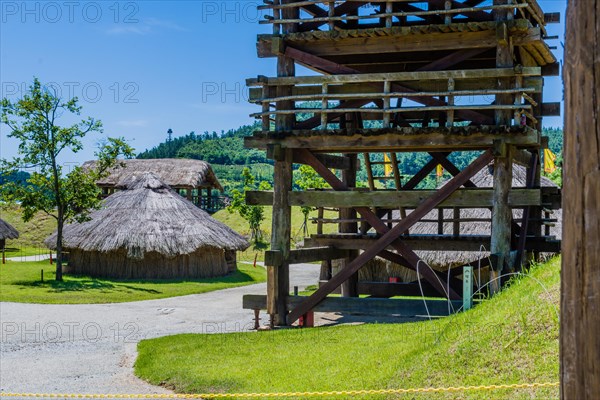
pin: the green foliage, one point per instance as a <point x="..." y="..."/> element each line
<point x="64" y="195"/>
<point x="306" y="178"/>
<point x="254" y="215"/>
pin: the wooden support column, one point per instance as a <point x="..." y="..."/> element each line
<point x="580" y="272"/>
<point x="278" y="276"/>
<point x="278" y="283"/>
<point x="501" y="214"/>
<point x="349" y="287"/>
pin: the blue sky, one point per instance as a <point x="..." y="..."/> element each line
<point x="142" y="67"/>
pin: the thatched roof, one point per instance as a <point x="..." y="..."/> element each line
<point x="147" y="216"/>
<point x="483" y="178"/>
<point x="175" y="172"/>
<point x="7" y="231"/>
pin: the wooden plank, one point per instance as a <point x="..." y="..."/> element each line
<point x="400" y="77"/>
<point x="367" y="306"/>
<point x="580" y="280"/>
<point x="380" y="141"/>
<point x="464" y="198"/>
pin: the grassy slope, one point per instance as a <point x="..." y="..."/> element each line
<point x="511" y="338"/>
<point x="32" y="233"/>
<point x="238" y="224"/>
<point x="20" y="282"/>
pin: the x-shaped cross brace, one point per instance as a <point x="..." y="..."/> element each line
<point x="390" y="237"/>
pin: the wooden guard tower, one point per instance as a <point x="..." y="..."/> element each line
<point x="434" y="76"/>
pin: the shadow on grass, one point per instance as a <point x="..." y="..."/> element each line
<point x="80" y="283"/>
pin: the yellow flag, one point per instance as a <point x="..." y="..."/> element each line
<point x="549" y="158"/>
<point x="387" y="167"/>
<point x="439" y="171"/>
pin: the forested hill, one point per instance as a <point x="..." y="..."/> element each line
<point x="226" y="148"/>
<point x="226" y="153"/>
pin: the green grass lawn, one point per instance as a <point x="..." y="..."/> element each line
<point x="511" y="338"/>
<point x="21" y="282"/>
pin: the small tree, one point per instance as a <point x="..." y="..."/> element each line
<point x="307" y="178"/>
<point x="254" y="215"/>
<point x="64" y="195"/>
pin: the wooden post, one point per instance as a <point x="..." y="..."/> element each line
<point x="501" y="212"/>
<point x="580" y="277"/>
<point x="349" y="288"/>
<point x="278" y="276"/>
<point x="501" y="215"/>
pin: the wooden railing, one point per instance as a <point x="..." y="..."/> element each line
<point x="445" y="224"/>
<point x="359" y="14"/>
<point x="439" y="97"/>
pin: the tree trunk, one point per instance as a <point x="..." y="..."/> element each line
<point x="580" y="302"/>
<point x="59" y="240"/>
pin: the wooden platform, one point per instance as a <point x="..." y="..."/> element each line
<point x="366" y="306"/>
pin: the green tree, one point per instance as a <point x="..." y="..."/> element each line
<point x="64" y="195"/>
<point x="307" y="178"/>
<point x="254" y="215"/>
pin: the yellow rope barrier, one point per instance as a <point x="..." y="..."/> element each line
<point x="288" y="394"/>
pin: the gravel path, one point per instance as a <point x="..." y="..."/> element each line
<point x="91" y="348"/>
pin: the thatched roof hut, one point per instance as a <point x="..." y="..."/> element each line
<point x="146" y="230"/>
<point x="176" y="172"/>
<point x="380" y="269"/>
<point x="194" y="179"/>
<point x="7" y="231"/>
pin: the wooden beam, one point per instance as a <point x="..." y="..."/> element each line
<point x="403" y="77"/>
<point x="464" y="198"/>
<point x="330" y="161"/>
<point x="350" y="305"/>
<point x="305" y="255"/>
<point x="402" y="139"/>
<point x="391" y="44"/>
<point x="471" y="243"/>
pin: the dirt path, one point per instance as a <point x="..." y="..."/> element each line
<point x="92" y="348"/>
